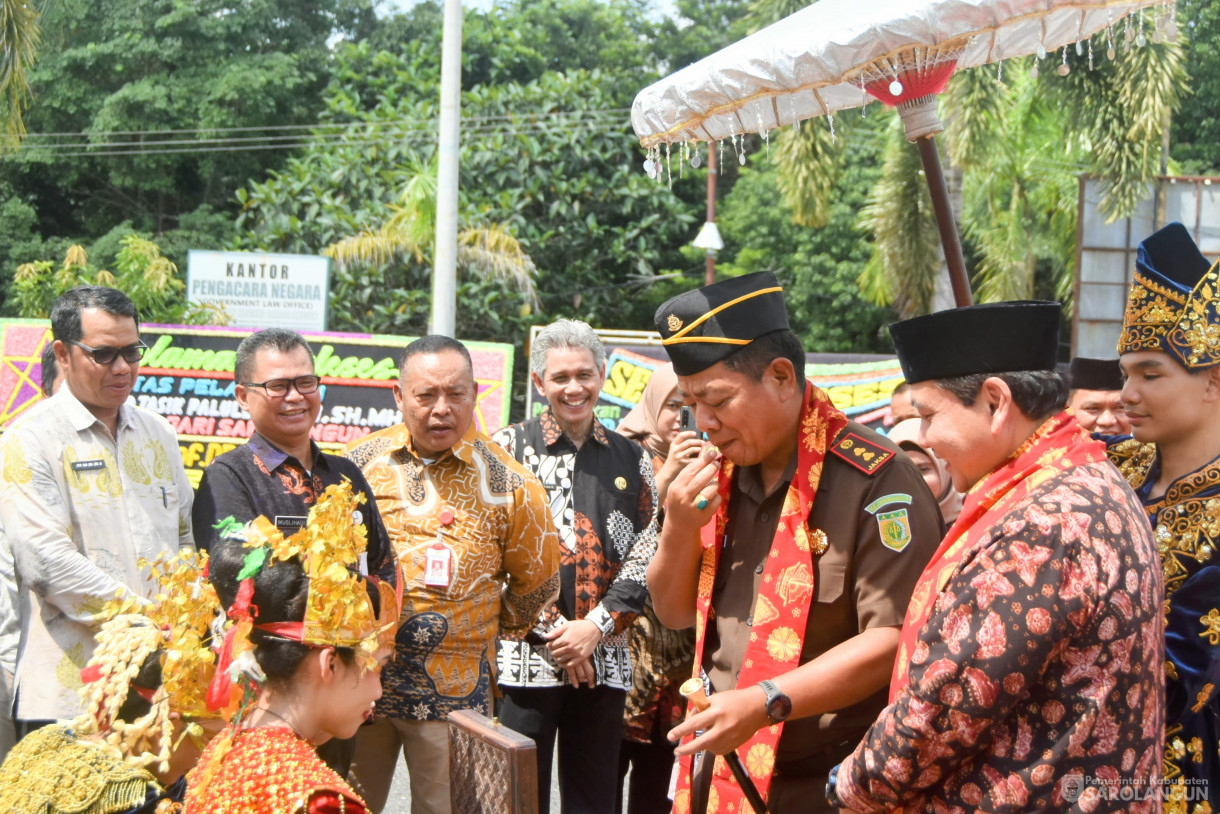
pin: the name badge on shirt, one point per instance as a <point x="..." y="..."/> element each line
<point x="290" y="523"/>
<point x="437" y="565"/>
<point x="88" y="466"/>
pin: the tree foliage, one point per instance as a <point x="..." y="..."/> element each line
<point x="165" y="82"/>
<point x="140" y="271"/>
<point x="550" y="162"/>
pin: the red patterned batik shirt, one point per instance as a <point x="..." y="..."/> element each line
<point x="1037" y="683"/>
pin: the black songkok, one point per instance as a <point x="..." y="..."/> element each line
<point x="1095" y="374"/>
<point x="1002" y="337"/>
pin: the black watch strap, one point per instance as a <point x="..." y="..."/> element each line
<point x="779" y="706"/>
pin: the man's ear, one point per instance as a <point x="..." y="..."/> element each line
<point x="241" y="392"/>
<point x="782" y="375"/>
<point x="397" y="390"/>
<point x="61" y="354"/>
<point x="997" y="397"/>
<point x="1212" y="393"/>
<point x="537" y="380"/>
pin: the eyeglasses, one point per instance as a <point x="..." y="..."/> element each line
<point x="280" y="387"/>
<point x="107" y="356"/>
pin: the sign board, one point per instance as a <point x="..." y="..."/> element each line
<point x="859" y="384"/>
<point x="187" y="376"/>
<point x="262" y="290"/>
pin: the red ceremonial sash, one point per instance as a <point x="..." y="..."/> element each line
<point x="1058" y="444"/>
<point x="781" y="608"/>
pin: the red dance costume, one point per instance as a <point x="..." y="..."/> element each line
<point x="268" y="770"/>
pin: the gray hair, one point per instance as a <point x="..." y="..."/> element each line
<point x="565" y="333"/>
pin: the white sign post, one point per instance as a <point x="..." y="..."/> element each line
<point x="262" y="290"/>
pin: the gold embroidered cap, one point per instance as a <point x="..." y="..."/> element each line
<point x="700" y="328"/>
<point x="176" y="625"/>
<point x="1172" y="305"/>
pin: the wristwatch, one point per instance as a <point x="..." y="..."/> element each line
<point x="779" y="706"/>
<point x="832" y="788"/>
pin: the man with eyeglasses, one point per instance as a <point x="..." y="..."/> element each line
<point x="89" y="486"/>
<point x="280" y="471"/>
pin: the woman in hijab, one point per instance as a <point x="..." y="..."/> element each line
<point x="906" y="435"/>
<point x="653" y="424"/>
<point x="662" y="657"/>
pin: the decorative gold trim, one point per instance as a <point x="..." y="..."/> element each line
<point x="677" y="336"/>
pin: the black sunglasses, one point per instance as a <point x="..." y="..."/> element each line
<point x="279" y="387"/>
<point x="106" y="356"/>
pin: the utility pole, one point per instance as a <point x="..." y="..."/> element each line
<point x="444" y="265"/>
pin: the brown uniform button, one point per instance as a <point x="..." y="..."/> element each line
<point x="758" y="569"/>
<point x="765" y="516"/>
<point x="750" y="621"/>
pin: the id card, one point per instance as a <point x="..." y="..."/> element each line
<point x="437" y="564"/>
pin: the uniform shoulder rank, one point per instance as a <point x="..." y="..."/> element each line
<point x="867" y="456"/>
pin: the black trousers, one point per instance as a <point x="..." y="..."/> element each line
<point x="589" y="726"/>
<point x="651" y="765"/>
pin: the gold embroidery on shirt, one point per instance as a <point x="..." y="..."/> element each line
<point x="133" y="464"/>
<point x="16" y="468"/>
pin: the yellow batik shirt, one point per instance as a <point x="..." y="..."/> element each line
<point x="80" y="508"/>
<point x="503" y="561"/>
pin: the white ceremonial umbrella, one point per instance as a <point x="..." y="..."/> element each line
<point x="837" y="54"/>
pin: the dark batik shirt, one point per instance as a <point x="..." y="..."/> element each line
<point x="259" y="478"/>
<point x="1186" y="525"/>
<point x="603" y="499"/>
<point x="1037" y="682"/>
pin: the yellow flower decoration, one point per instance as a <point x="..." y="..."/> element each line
<point x="760" y="760"/>
<point x="783" y="644"/>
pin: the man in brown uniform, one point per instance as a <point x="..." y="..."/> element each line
<point x="814" y="529"/>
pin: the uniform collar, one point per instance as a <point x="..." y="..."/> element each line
<point x="274" y="457"/>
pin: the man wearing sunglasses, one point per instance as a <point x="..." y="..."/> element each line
<point x="90" y="485"/>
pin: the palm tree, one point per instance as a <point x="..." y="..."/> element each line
<point x="1019" y="146"/>
<point x="19" y="39"/>
<point x="487" y="250"/>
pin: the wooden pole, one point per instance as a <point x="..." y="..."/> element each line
<point x="944" y="220"/>
<point x="709" y="274"/>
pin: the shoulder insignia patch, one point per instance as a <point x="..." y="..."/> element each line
<point x="864" y="455"/>
<point x="885" y="500"/>
<point x="895" y="529"/>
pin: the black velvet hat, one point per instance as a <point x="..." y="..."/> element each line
<point x="1002" y="337"/>
<point x="1095" y="374"/>
<point x="701" y="327"/>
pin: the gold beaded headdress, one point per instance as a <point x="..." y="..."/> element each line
<point x="338" y="611"/>
<point x="176" y="624"/>
<point x="1173" y="302"/>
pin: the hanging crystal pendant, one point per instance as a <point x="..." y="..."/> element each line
<point x="695" y="160"/>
